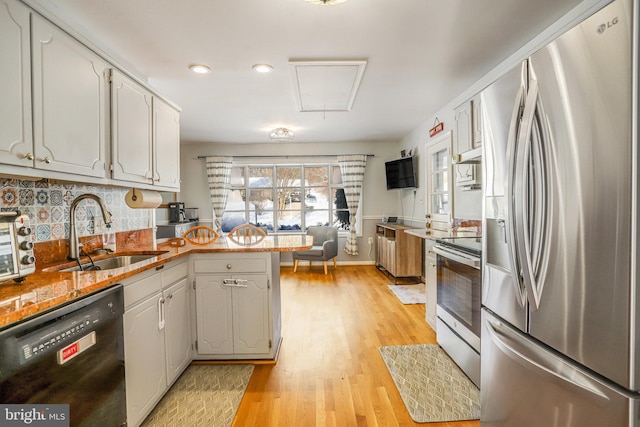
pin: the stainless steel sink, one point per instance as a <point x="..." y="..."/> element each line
<point x="111" y="263"/>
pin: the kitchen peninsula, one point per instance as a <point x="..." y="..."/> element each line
<point x="49" y="288"/>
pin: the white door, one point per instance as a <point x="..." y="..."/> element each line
<point x="70" y="108"/>
<point x="131" y="131"/>
<point x="166" y="147"/>
<point x="144" y="351"/>
<point x="251" y="314"/>
<point x="16" y="140"/>
<point x="439" y="200"/>
<point x="177" y="329"/>
<point x="214" y="315"/>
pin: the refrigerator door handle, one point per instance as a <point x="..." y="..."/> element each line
<point x="516" y="115"/>
<point x="528" y="353"/>
<point x="520" y="193"/>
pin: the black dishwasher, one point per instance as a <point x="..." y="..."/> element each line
<point x="73" y="355"/>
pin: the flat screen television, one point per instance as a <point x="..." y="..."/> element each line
<point x="401" y="173"/>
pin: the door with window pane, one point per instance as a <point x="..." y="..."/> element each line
<point x="439" y="183"/>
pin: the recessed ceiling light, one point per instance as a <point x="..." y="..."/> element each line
<point x="262" y="68"/>
<point x="199" y="68"/>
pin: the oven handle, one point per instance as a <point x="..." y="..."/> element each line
<point x="455" y="256"/>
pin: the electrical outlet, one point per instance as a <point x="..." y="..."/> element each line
<point x="371" y="240"/>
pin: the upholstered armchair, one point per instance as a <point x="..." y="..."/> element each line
<point x="325" y="247"/>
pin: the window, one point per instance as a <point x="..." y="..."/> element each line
<point x="286" y="197"/>
<point x="439" y="183"/>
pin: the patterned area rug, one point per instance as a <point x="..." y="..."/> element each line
<point x="410" y="294"/>
<point x="432" y="386"/>
<point x="204" y="395"/>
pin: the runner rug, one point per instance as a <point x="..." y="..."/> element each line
<point x="432" y="386"/>
<point x="204" y="395"/>
<point x="410" y="294"/>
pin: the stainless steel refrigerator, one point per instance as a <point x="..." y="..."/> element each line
<point x="560" y="317"/>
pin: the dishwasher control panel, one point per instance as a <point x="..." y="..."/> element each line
<point x="61" y="332"/>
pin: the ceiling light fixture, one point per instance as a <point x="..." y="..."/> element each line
<point x="326" y="2"/>
<point x="281" y="134"/>
<point x="262" y="68"/>
<point x="199" y="68"/>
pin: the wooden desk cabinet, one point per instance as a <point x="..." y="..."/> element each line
<point x="397" y="252"/>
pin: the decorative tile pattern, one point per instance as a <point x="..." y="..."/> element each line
<point x="205" y="395"/>
<point x="432" y="386"/>
<point x="47" y="204"/>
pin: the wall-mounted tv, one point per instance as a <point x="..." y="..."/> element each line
<point x="401" y="173"/>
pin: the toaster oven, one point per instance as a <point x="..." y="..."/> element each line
<point x="17" y="258"/>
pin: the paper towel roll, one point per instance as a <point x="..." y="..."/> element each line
<point x="142" y="199"/>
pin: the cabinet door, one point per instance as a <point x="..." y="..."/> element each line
<point x="69" y="104"/>
<point x="214" y="315"/>
<point x="177" y="329"/>
<point x="462" y="142"/>
<point x="131" y="132"/>
<point x="144" y="353"/>
<point x="251" y="314"/>
<point x="463" y="134"/>
<point x="166" y="144"/>
<point x="16" y="141"/>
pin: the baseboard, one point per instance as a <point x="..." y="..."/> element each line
<point x="339" y="263"/>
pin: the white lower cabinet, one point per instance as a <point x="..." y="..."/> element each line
<point x="237" y="304"/>
<point x="157" y="339"/>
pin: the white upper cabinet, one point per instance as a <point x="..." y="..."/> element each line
<point x="59" y="105"/>
<point x="166" y="144"/>
<point x="69" y="103"/>
<point x="16" y="140"/>
<point x="146" y="135"/>
<point x="131" y="130"/>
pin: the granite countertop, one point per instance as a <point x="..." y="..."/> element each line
<point x="432" y="234"/>
<point x="47" y="288"/>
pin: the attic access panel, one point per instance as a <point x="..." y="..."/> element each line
<point x="326" y="85"/>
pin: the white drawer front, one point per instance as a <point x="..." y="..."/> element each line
<point x="141" y="289"/>
<point x="240" y="265"/>
<point x="172" y="274"/>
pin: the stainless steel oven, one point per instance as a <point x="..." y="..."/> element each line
<point x="459" y="300"/>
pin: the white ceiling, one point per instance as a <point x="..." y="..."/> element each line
<point x="420" y="55"/>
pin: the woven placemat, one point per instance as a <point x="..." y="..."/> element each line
<point x="204" y="395"/>
<point x="432" y="386"/>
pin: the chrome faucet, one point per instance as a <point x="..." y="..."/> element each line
<point x="74" y="246"/>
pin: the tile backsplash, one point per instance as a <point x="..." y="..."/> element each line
<point x="48" y="204"/>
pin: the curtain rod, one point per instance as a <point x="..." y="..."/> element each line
<point x="291" y="156"/>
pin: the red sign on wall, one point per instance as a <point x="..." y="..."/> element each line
<point x="436" y="129"/>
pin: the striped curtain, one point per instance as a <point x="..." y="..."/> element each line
<point x="219" y="177"/>
<point x="352" y="169"/>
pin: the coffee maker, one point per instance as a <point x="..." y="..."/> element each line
<point x="176" y="212"/>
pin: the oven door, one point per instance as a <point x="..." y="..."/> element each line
<point x="459" y="293"/>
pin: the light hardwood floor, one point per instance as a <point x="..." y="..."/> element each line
<point x="330" y="372"/>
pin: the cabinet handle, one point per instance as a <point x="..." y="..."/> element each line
<point x="160" y="313"/>
<point x="46" y="160"/>
<point x="170" y="296"/>
<point x="228" y="266"/>
<point x="28" y="156"/>
<point x="160" y="267"/>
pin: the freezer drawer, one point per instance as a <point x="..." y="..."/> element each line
<point x="525" y="384"/>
